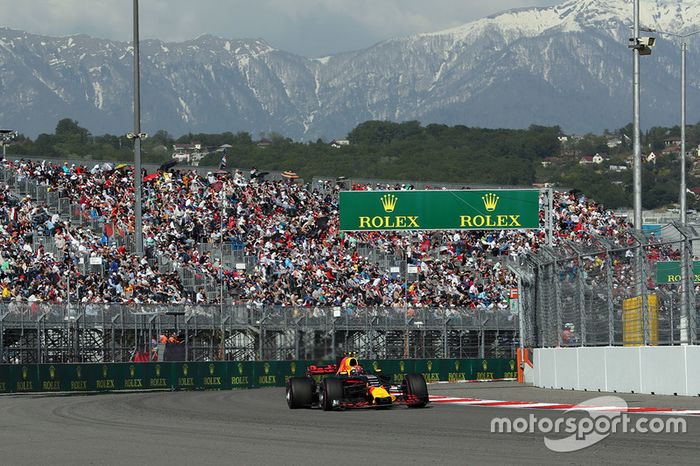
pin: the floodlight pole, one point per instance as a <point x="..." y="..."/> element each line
<point x="637" y="151"/>
<point x="637" y="176"/>
<point x="684" y="209"/>
<point x="6" y="135"/>
<point x="687" y="279"/>
<point x="138" y="233"/>
<point x="684" y="50"/>
<point x="684" y="193"/>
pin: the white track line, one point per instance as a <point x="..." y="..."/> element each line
<point x="439" y="399"/>
<point x="471" y="381"/>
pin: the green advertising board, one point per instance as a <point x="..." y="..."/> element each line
<point x="225" y="375"/>
<point x="106" y="376"/>
<point x="439" y="210"/>
<point x="24" y="378"/>
<point x="240" y="375"/>
<point x="669" y="272"/>
<point x="131" y="376"/>
<point x="185" y="376"/>
<point x="212" y="376"/>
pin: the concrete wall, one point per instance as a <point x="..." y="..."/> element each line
<point x="661" y="370"/>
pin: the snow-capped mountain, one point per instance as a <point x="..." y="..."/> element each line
<point x="565" y="65"/>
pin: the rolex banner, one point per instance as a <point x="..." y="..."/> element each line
<point x="220" y="375"/>
<point x="669" y="272"/>
<point x="439" y="210"/>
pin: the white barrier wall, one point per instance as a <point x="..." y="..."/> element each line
<point x="661" y="370"/>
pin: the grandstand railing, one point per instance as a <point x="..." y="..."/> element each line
<point x="41" y="332"/>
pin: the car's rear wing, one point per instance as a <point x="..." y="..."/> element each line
<point x="322" y="370"/>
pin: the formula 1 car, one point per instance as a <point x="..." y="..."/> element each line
<point x="347" y="385"/>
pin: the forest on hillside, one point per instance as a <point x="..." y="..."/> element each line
<point x="411" y="151"/>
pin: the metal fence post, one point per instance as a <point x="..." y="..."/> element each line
<point x="482" y="338"/>
<point x="297" y="337"/>
<point x="607" y="246"/>
<point x="692" y="309"/>
<point x="223" y="321"/>
<point x="671" y="320"/>
<point x="685" y="288"/>
<point x="529" y="302"/>
<point x="689" y="284"/>
<point x="77" y="347"/>
<point x="688" y="318"/>
<point x="187" y="338"/>
<point x="641" y="279"/>
<point x="609" y="288"/>
<point x="521" y="308"/>
<point x="557" y="300"/>
<point x="261" y="336"/>
<point x="444" y="338"/>
<point x="2" y="339"/>
<point x="521" y="315"/>
<point x="38" y="339"/>
<point x="114" y="345"/>
<point x="556" y="285"/>
<point x="333" y="355"/>
<point x="643" y="294"/>
<point x="582" y="299"/>
<point x="540" y="313"/>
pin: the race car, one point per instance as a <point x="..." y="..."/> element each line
<point x="347" y="385"/>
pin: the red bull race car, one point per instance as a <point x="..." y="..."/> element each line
<point x="347" y="385"/>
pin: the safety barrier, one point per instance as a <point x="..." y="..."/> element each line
<point x="656" y="370"/>
<point x="230" y="375"/>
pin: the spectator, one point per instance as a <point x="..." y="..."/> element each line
<point x="289" y="232"/>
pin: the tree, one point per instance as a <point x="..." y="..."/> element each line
<point x="591" y="144"/>
<point x="68" y="131"/>
<point x="162" y="137"/>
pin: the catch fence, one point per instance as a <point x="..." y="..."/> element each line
<point x="627" y="290"/>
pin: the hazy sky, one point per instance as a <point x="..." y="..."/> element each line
<point x="307" y="27"/>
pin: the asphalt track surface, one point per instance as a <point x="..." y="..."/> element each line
<point x="256" y="427"/>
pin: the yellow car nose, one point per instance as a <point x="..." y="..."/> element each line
<point x="380" y="393"/>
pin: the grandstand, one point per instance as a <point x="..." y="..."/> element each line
<point x="264" y="258"/>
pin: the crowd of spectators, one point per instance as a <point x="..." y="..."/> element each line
<point x="288" y="230"/>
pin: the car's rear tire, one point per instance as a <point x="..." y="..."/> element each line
<point x="331" y="393"/>
<point x="300" y="392"/>
<point x="415" y="390"/>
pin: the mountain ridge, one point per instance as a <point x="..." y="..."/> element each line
<point x="546" y="65"/>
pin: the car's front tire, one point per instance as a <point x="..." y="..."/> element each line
<point x="331" y="393"/>
<point x="300" y="391"/>
<point x="415" y="390"/>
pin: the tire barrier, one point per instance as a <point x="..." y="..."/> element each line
<point x="229" y="375"/>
